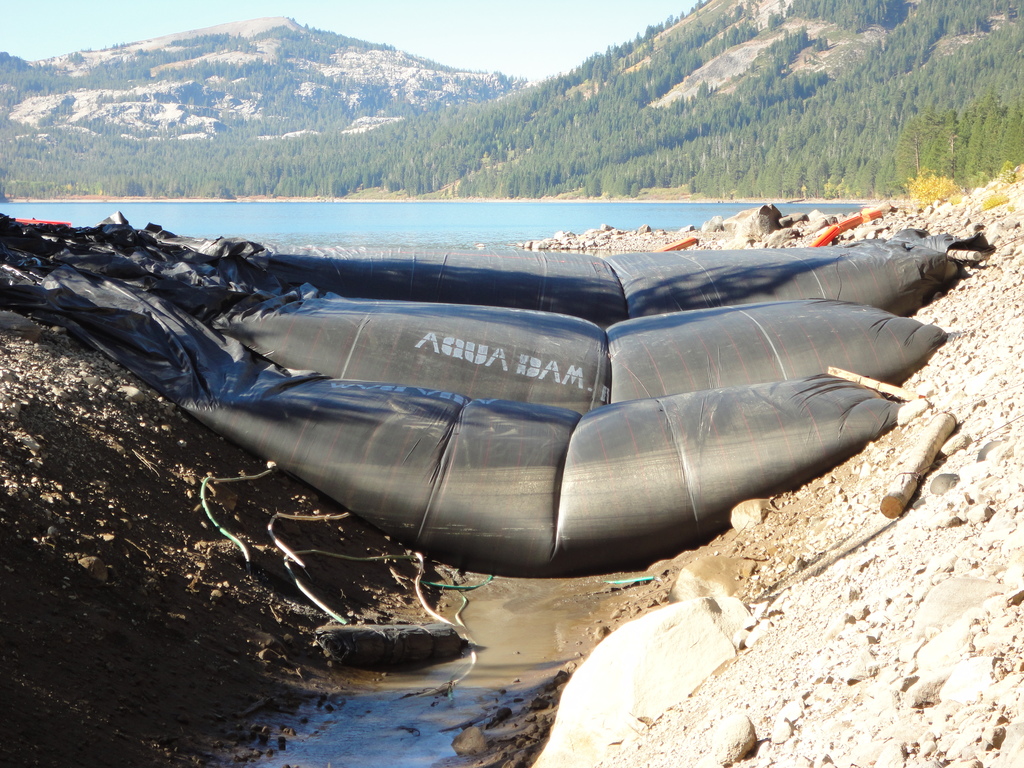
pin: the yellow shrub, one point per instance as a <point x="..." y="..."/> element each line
<point x="1008" y="173"/>
<point x="926" y="188"/>
<point x="992" y="201"/>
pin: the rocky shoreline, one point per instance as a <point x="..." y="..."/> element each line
<point x="760" y="227"/>
<point x="851" y="639"/>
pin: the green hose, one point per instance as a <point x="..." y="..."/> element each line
<point x="206" y="508"/>
<point x="462" y="587"/>
<point x="293" y="556"/>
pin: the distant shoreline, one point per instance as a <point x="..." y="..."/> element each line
<point x="555" y="201"/>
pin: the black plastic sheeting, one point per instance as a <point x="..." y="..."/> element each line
<point x="899" y="276"/>
<point x="489" y="484"/>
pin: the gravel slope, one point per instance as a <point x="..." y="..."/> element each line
<point x="848" y="665"/>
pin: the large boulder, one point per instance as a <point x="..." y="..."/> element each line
<point x="710" y="577"/>
<point x="637" y="673"/>
<point x="949" y="600"/>
<point x="756" y="223"/>
<point x="714" y="224"/>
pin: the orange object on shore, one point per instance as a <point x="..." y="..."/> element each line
<point x="678" y="245"/>
<point x="44" y="221"/>
<point x="826" y="237"/>
<point x="830" y="234"/>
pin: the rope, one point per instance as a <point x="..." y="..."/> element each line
<point x="291" y="555"/>
<point x="294" y="556"/>
<point x="210" y="480"/>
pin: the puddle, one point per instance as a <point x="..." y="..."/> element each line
<point x="523" y="630"/>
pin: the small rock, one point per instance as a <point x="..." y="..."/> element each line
<point x="470" y="742"/>
<point x="979" y="513"/>
<point x="893" y="755"/>
<point x="714" y="224"/>
<point x="95" y="568"/>
<point x="133" y="394"/>
<point x="969" y="680"/>
<point x="782" y="731"/>
<point x="780" y="238"/>
<point x="709" y="577"/>
<point x="793" y="711"/>
<point x="946" y="647"/>
<point x="14" y="323"/>
<point x="864" y="668"/>
<point x="31" y="443"/>
<point x="910" y="411"/>
<point x="944" y="518"/>
<point x="951" y="599"/>
<point x="993" y="736"/>
<point x="925" y="692"/>
<point x="942" y="483"/>
<point x="995" y="451"/>
<point x="749" y="513"/>
<point x="733" y="739"/>
<point x="500" y="716"/>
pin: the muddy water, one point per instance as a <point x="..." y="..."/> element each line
<point x="523" y="631"/>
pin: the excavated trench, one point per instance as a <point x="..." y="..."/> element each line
<point x="523" y="632"/>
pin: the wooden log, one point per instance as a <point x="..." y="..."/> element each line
<point x="880" y="386"/>
<point x="366" y="645"/>
<point x="926" y="446"/>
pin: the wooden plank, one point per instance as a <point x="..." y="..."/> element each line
<point x="880" y="386"/>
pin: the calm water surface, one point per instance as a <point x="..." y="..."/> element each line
<point x="391" y="224"/>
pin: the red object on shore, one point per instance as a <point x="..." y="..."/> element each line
<point x="830" y="234"/>
<point x="44" y="221"/>
<point x="678" y="245"/>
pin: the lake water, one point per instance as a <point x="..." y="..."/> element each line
<point x="457" y="225"/>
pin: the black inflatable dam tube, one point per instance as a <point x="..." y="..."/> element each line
<point x="557" y="360"/>
<point x="487" y="352"/>
<point x="489" y="485"/>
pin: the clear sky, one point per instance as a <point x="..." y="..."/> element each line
<point x="523" y="38"/>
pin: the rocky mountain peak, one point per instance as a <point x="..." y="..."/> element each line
<point x="226" y="77"/>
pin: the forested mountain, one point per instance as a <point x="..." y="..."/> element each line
<point x="767" y="98"/>
<point x="239" y="84"/>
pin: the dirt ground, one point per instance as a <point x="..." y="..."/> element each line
<point x="132" y="632"/>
